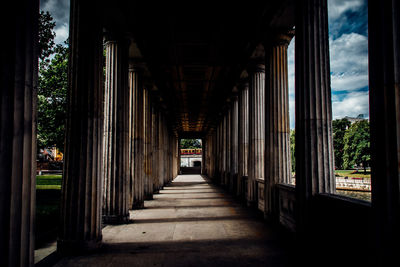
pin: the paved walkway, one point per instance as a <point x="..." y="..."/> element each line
<point x="190" y="223"/>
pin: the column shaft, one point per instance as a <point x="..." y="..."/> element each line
<point x="277" y="152"/>
<point x="256" y="129"/>
<point x="18" y="94"/>
<point x="384" y="99"/>
<point x="148" y="146"/>
<point x="80" y="224"/>
<point x="234" y="144"/>
<point x="243" y="137"/>
<point x="314" y="147"/>
<point x="116" y="169"/>
<point x="137" y="150"/>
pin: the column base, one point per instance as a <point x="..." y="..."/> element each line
<point x="138" y="205"/>
<point x="148" y="197"/>
<point x="74" y="247"/>
<point x="116" y="219"/>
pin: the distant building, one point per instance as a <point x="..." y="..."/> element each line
<point x="360" y="117"/>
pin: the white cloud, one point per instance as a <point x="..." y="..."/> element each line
<point x="338" y="7"/>
<point x="349" y="62"/>
<point x="62" y="33"/>
<point x="352" y="104"/>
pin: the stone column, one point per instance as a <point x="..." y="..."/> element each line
<point x="256" y="129"/>
<point x="234" y="144"/>
<point x="18" y="94"/>
<point x="314" y="147"/>
<point x="80" y="224"/>
<point x="155" y="141"/>
<point x="160" y="151"/>
<point x="243" y="136"/>
<point x="228" y="148"/>
<point x="116" y="134"/>
<point x="384" y="99"/>
<point x="148" y="166"/>
<point x="137" y="132"/>
<point x="277" y="141"/>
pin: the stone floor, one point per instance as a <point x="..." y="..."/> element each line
<point x="190" y="223"/>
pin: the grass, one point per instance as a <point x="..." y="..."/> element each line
<point x="353" y="173"/>
<point x="48" y="182"/>
<point x="48" y="195"/>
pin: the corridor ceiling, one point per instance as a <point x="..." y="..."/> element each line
<point x="195" y="51"/>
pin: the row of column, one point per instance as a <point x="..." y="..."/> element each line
<point x="251" y="142"/>
<point x="138" y="150"/>
<point x="119" y="149"/>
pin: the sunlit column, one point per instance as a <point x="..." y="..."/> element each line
<point x="256" y="129"/>
<point x="277" y="139"/>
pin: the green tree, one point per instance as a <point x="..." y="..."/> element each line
<point x="357" y="145"/>
<point x="190" y="143"/>
<point x="46" y="36"/>
<point x="52" y="86"/>
<point x="339" y="128"/>
<point x="293" y="149"/>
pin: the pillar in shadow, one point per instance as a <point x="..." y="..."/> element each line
<point x="314" y="147"/>
<point x="384" y="99"/>
<point x="80" y="223"/>
<point x="18" y="94"/>
<point x="234" y="142"/>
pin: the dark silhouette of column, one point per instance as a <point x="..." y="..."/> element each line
<point x="148" y="152"/>
<point x="314" y="147"/>
<point x="80" y="224"/>
<point x="256" y="129"/>
<point x="18" y="94"/>
<point x="384" y="99"/>
<point x="116" y="134"/>
<point x="277" y="128"/>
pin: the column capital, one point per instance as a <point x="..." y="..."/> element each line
<point x="256" y="65"/>
<point x="279" y="37"/>
<point x="136" y="65"/>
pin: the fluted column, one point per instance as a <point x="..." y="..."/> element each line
<point x="277" y="140"/>
<point x="384" y="99"/>
<point x="234" y="144"/>
<point x="314" y="147"/>
<point x="148" y="166"/>
<point x="228" y="148"/>
<point x="80" y="224"/>
<point x="155" y="141"/>
<point x="18" y="94"/>
<point x="137" y="133"/>
<point x="116" y="141"/>
<point x="243" y="136"/>
<point x="256" y="129"/>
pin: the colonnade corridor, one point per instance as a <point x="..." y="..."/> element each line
<point x="191" y="222"/>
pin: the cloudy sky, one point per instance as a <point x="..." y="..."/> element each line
<point x="348" y="40"/>
<point x="348" y="31"/>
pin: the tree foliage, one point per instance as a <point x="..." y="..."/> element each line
<point x="46" y="35"/>
<point x="293" y="149"/>
<point x="339" y="128"/>
<point x="357" y="145"/>
<point x="52" y="86"/>
<point x="190" y="143"/>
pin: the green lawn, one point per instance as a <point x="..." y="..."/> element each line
<point x="48" y="195"/>
<point x="48" y="181"/>
<point x="353" y="173"/>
